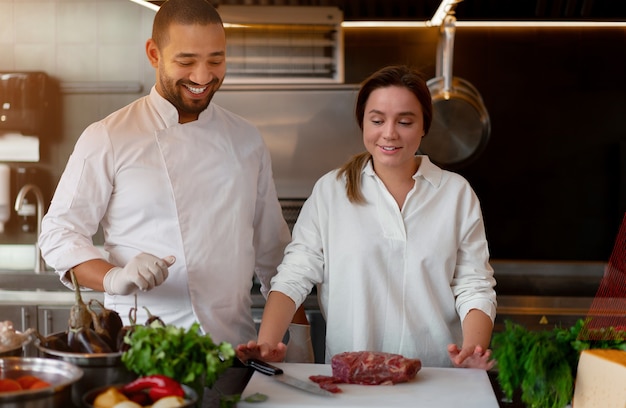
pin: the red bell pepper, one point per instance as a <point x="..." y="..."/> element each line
<point x="158" y="386"/>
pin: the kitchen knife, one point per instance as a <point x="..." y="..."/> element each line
<point x="279" y="375"/>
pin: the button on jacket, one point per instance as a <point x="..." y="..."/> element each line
<point x="201" y="191"/>
<point x="389" y="279"/>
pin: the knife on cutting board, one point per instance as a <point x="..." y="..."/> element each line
<point x="278" y="374"/>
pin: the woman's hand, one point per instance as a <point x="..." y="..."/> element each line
<point x="261" y="351"/>
<point x="476" y="357"/>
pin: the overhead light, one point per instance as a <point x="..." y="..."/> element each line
<point x="595" y="24"/>
<point x="422" y="24"/>
<point x="147" y="4"/>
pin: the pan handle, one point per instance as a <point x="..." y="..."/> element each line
<point x="447" y="31"/>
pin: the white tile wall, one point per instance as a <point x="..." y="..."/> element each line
<point x="6" y="24"/>
<point x="111" y="32"/>
<point x="77" y="41"/>
<point x="34" y="22"/>
<point x="77" y="62"/>
<point x="77" y="23"/>
<point x="32" y="57"/>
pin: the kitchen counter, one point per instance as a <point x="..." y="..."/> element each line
<point x="42" y="297"/>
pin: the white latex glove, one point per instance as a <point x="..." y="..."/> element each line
<point x="143" y="272"/>
<point x="300" y="346"/>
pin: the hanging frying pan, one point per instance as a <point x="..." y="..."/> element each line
<point x="461" y="127"/>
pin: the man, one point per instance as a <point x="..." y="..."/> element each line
<point x="182" y="188"/>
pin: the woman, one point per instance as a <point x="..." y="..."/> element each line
<point x="395" y="245"/>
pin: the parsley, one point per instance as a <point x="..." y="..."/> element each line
<point x="188" y="356"/>
<point x="543" y="364"/>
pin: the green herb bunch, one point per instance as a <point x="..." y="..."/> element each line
<point x="543" y="364"/>
<point x="188" y="356"/>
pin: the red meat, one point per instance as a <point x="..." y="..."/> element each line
<point x="368" y="368"/>
<point x="327" y="382"/>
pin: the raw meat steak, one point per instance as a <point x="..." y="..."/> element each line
<point x="368" y="368"/>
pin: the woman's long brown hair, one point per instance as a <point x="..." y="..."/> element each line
<point x="394" y="75"/>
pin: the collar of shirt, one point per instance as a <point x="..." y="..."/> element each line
<point x="427" y="170"/>
<point x="166" y="110"/>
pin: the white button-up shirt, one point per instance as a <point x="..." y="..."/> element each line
<point x="390" y="279"/>
<point x="201" y="191"/>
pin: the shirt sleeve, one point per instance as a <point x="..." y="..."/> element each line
<point x="303" y="264"/>
<point x="473" y="282"/>
<point x="79" y="203"/>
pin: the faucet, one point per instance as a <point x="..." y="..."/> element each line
<point x="40" y="265"/>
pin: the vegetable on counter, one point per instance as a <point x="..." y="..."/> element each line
<point x="542" y="364"/>
<point x="152" y="318"/>
<point x="92" y="328"/>
<point x="158" y="386"/>
<point x="107" y="323"/>
<point x="132" y="317"/>
<point x="187" y="356"/>
<point x="169" y="402"/>
<point x="81" y="338"/>
<point x="153" y="391"/>
<point x="109" y="398"/>
<point x="32" y="382"/>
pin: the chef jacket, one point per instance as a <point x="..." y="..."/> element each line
<point x="390" y="279"/>
<point x="202" y="191"/>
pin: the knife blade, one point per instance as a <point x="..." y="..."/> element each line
<point x="279" y="375"/>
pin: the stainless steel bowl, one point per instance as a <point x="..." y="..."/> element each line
<point x="14" y="352"/>
<point x="99" y="369"/>
<point x="60" y="374"/>
<point x="191" y="397"/>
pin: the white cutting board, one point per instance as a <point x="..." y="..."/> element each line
<point x="432" y="387"/>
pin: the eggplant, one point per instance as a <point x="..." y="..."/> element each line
<point x="79" y="313"/>
<point x="107" y="323"/>
<point x="56" y="341"/>
<point x="132" y="317"/>
<point x="86" y="340"/>
<point x="152" y="318"/>
<point x="81" y="338"/>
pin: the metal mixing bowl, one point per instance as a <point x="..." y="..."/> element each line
<point x="60" y="374"/>
<point x="99" y="369"/>
<point x="14" y="352"/>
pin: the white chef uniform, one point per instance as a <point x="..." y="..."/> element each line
<point x="201" y="191"/>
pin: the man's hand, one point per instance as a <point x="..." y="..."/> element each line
<point x="143" y="272"/>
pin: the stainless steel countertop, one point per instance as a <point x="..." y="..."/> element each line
<point x="42" y="297"/>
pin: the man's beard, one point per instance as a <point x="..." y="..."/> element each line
<point x="174" y="95"/>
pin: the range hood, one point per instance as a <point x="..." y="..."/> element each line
<point x="284" y="44"/>
<point x="281" y="44"/>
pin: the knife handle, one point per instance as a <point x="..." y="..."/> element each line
<point x="263" y="367"/>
